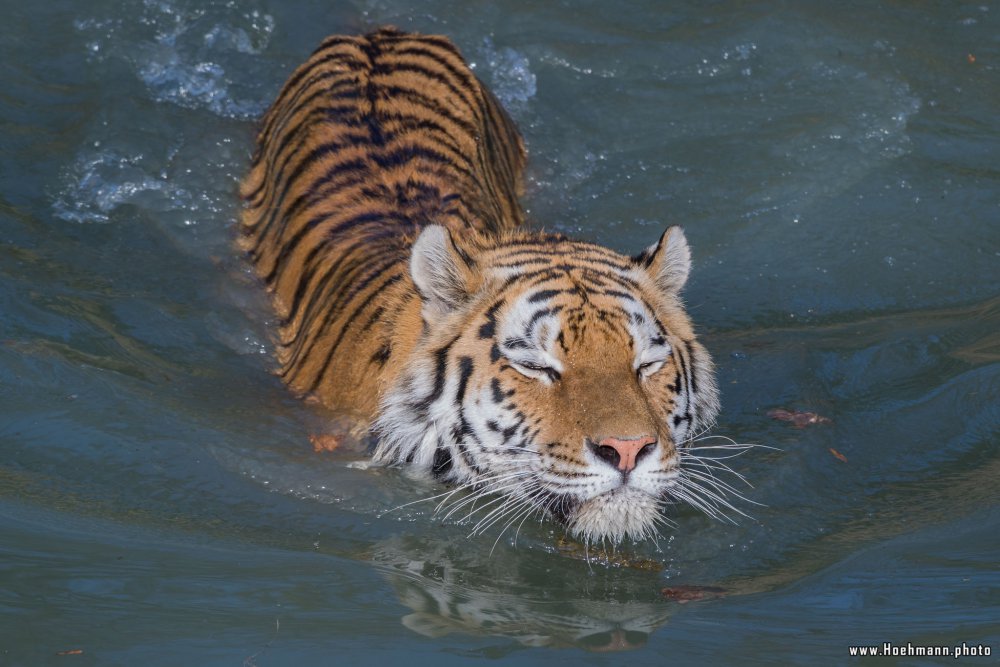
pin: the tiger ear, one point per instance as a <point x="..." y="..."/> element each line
<point x="441" y="271"/>
<point x="668" y="261"/>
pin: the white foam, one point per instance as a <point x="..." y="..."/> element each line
<point x="185" y="56"/>
<point x="510" y="75"/>
<point x="102" y="180"/>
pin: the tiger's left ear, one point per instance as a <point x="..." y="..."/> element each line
<point x="441" y="271"/>
<point x="668" y="261"/>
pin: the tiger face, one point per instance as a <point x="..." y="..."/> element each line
<point x="557" y="377"/>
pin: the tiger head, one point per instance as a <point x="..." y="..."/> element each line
<point x="553" y="376"/>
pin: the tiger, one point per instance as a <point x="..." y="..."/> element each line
<point x="556" y="377"/>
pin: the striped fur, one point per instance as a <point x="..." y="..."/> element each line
<point x="381" y="211"/>
<point x="369" y="140"/>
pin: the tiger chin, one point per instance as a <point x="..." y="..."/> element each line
<point x="542" y="374"/>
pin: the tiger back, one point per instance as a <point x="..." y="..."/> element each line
<point x="369" y="140"/>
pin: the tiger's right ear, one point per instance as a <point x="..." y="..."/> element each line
<point x="441" y="271"/>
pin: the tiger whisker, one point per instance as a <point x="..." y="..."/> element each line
<point x="450" y="492"/>
<point x="720" y="486"/>
<point x="532" y="509"/>
<point x="522" y="509"/>
<point x="742" y="449"/>
<point x="500" y="498"/>
<point x="510" y="505"/>
<point x="472" y="506"/>
<point x="712" y="499"/>
<point x="702" y="505"/>
<point x="517" y="495"/>
<point x="482" y="491"/>
<point x="527" y="511"/>
<point x="710" y="467"/>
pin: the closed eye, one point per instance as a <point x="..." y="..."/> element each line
<point x="648" y="368"/>
<point x="534" y="370"/>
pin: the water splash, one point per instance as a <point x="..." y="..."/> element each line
<point x="509" y="73"/>
<point x="189" y="56"/>
<point x="99" y="182"/>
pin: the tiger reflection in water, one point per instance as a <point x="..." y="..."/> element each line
<point x="451" y="588"/>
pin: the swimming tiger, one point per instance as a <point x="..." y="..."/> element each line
<point x="553" y="375"/>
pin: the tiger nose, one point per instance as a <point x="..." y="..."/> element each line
<point x="624" y="453"/>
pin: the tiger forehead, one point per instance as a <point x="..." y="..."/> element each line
<point x="556" y="253"/>
<point x="573" y="310"/>
<point x="561" y="265"/>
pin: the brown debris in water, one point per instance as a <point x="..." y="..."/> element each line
<point x="798" y="419"/>
<point x="685" y="594"/>
<point x="325" y="442"/>
<point x="840" y="457"/>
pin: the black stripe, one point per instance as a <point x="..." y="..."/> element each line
<point x="542" y="313"/>
<point x="515" y="343"/>
<point x="526" y="262"/>
<point x="684" y="377"/>
<point x="382" y="354"/>
<point x="384" y="69"/>
<point x="333" y="279"/>
<point x="278" y="156"/>
<point x="489" y="329"/>
<point x="410" y="151"/>
<point x="578" y="251"/>
<point x="543" y="295"/>
<point x="422" y="127"/>
<point x="343" y="176"/>
<point x="332" y="275"/>
<point x="331" y="290"/>
<point x="300" y="82"/>
<point x="499" y="395"/>
<point x="343" y="331"/>
<point x="393" y="36"/>
<point x="621" y="295"/>
<point x="329" y="234"/>
<point x="691" y="362"/>
<point x="285" y="108"/>
<point x="465" y="372"/>
<point x="429" y="103"/>
<point x="376" y="314"/>
<point x="462" y="77"/>
<point x="442" y="462"/>
<point x="327" y="112"/>
<point x="278" y="211"/>
<point x="440" y="367"/>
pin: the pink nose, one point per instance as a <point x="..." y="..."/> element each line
<point x="624" y="452"/>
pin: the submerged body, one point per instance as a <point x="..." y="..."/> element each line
<point x="382" y="214"/>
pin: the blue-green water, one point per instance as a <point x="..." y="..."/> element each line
<point x="835" y="166"/>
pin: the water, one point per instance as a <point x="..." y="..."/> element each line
<point x="835" y="168"/>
